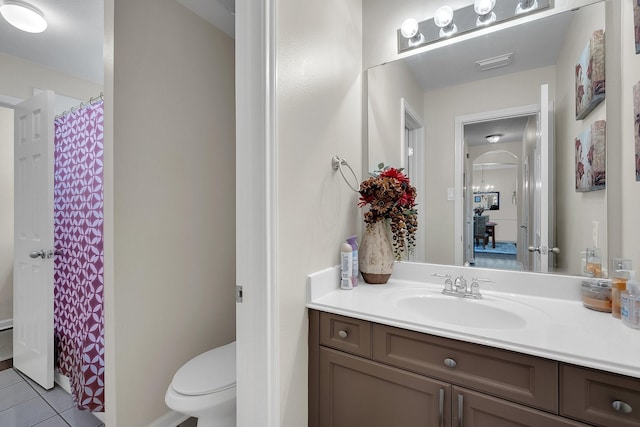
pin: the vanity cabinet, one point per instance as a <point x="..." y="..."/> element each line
<point x="367" y="374"/>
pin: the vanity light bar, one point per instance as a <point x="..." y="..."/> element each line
<point x="466" y="20"/>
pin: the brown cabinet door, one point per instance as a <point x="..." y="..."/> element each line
<point x="355" y="392"/>
<point x="471" y="409"/>
<point x="599" y="397"/>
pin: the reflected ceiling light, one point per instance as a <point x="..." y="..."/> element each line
<point x="492" y="139"/>
<point x="23" y="16"/>
<point x="525" y="6"/>
<point x="410" y="29"/>
<point x="484" y="9"/>
<point x="494" y="62"/>
<point x="443" y="18"/>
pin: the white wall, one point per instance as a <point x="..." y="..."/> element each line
<point x="575" y="211"/>
<point x="169" y="200"/>
<point x="387" y="84"/>
<point x="630" y="188"/>
<point x="319" y="104"/>
<point x="6" y="214"/>
<point x="441" y="107"/>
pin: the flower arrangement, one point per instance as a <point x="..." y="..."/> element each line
<point x="391" y="198"/>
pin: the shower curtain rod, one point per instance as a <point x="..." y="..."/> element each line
<point x="82" y="104"/>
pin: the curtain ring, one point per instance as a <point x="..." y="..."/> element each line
<point x="337" y="163"/>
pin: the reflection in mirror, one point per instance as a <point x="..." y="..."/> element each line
<point x="441" y="86"/>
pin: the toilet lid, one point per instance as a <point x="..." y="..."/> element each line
<point x="207" y="373"/>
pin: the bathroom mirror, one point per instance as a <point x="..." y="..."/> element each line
<point x="412" y="108"/>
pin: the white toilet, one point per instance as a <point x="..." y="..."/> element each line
<point x="205" y="388"/>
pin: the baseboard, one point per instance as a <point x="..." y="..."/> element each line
<point x="6" y="324"/>
<point x="170" y="419"/>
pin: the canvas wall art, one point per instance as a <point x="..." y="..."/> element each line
<point x="636" y="23"/>
<point x="636" y="127"/>
<point x="590" y="81"/>
<point x="591" y="158"/>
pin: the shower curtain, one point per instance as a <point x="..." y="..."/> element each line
<point x="78" y="270"/>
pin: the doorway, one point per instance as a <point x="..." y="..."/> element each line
<point x="490" y="152"/>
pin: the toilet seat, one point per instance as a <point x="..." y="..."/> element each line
<point x="211" y="372"/>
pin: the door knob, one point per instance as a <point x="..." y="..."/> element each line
<point x="38" y="254"/>
<point x="533" y="249"/>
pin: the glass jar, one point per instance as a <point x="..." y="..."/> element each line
<point x="596" y="294"/>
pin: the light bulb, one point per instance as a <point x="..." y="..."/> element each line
<point x="443" y="16"/>
<point x="482" y="7"/>
<point x="409" y="28"/>
<point x="526" y="6"/>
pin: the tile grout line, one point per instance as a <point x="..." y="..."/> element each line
<point x="41" y="396"/>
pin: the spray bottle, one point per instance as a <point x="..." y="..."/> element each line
<point x="630" y="302"/>
<point x="353" y="242"/>
<point x="346" y="266"/>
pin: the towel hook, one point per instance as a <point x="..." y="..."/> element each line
<point x="337" y="163"/>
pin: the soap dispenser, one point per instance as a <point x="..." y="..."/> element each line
<point x="630" y="303"/>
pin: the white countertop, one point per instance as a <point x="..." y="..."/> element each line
<point x="557" y="326"/>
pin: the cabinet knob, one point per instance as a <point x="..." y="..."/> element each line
<point x="621" y="406"/>
<point x="343" y="334"/>
<point x="450" y="362"/>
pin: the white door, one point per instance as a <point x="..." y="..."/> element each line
<point x="544" y="214"/>
<point x="33" y="239"/>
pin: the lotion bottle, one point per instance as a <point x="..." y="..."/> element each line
<point x="346" y="266"/>
<point x="620" y="274"/>
<point x="353" y="242"/>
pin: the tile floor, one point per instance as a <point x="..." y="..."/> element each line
<point x="24" y="403"/>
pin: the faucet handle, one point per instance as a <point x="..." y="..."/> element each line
<point x="475" y="286"/>
<point x="448" y="284"/>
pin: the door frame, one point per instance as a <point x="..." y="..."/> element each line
<point x="257" y="316"/>
<point x="459" y="162"/>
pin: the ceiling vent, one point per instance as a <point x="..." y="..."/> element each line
<point x="495" y="62"/>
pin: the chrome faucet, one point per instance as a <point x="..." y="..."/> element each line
<point x="459" y="288"/>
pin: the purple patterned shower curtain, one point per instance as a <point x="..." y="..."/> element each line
<point x="78" y="271"/>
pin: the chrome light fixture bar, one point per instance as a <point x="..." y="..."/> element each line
<point x="448" y="23"/>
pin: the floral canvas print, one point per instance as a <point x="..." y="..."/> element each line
<point x="636" y="130"/>
<point x="591" y="158"/>
<point x="590" y="82"/>
<point x="636" y="23"/>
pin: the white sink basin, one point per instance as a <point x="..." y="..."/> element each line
<point x="488" y="313"/>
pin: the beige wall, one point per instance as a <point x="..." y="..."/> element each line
<point x="6" y="214"/>
<point x="20" y="77"/>
<point x="576" y="211"/>
<point x="169" y="201"/>
<point x="387" y="84"/>
<point x="441" y="107"/>
<point x="319" y="104"/>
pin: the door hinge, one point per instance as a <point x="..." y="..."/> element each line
<point x="239" y="294"/>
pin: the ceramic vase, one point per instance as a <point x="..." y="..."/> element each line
<point x="376" y="254"/>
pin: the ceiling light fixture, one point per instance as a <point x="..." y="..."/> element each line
<point x="525" y="6"/>
<point x="492" y="139"/>
<point x="23" y="16"/>
<point x="484" y="9"/>
<point x="494" y="62"/>
<point x="443" y="18"/>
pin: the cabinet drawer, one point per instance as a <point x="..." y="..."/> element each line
<point x="513" y="376"/>
<point x="589" y="395"/>
<point x="346" y="334"/>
